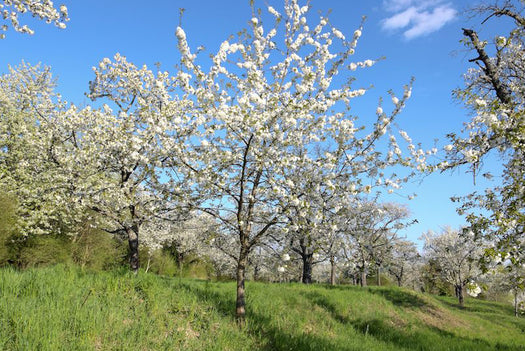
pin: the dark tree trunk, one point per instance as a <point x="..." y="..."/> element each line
<point x="459" y="293"/>
<point x="400" y="276"/>
<point x="379" y="275"/>
<point x="133" y="240"/>
<point x="363" y="277"/>
<point x="332" y="270"/>
<point x="240" y="306"/>
<point x="307" y="268"/>
<point x="180" y="258"/>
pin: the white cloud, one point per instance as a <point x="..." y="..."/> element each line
<point x="417" y="17"/>
<point x="401" y="20"/>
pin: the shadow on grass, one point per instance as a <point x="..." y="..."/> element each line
<point x="490" y="311"/>
<point x="480" y="306"/>
<point x="261" y="326"/>
<point x="400" y="298"/>
<point x="431" y="339"/>
<point x="270" y="336"/>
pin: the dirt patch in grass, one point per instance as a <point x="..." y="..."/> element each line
<point x="438" y="318"/>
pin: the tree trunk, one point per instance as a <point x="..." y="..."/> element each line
<point x="379" y="275"/>
<point x="332" y="270"/>
<point x="240" y="311"/>
<point x="148" y="264"/>
<point x="363" y="277"/>
<point x="307" y="268"/>
<point x="133" y="240"/>
<point x="459" y="293"/>
<point x="400" y="276"/>
<point x="516" y="303"/>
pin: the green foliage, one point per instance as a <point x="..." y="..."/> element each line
<point x="44" y="250"/>
<point x="158" y="262"/>
<point x="66" y="308"/>
<point x="164" y="262"/>
<point x="432" y="281"/>
<point x="7" y="226"/>
<point x="96" y="249"/>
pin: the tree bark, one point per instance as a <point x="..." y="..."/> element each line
<point x="307" y="268"/>
<point x="363" y="277"/>
<point x="240" y="306"/>
<point x="491" y="71"/>
<point x="332" y="270"/>
<point x="133" y="240"/>
<point x="379" y="275"/>
<point x="459" y="292"/>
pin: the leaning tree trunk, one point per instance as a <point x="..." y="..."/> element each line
<point x="332" y="270"/>
<point x="240" y="306"/>
<point x="307" y="268"/>
<point x="133" y="240"/>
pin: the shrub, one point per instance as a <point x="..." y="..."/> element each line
<point x="96" y="249"/>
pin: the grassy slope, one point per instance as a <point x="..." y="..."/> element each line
<point x="63" y="308"/>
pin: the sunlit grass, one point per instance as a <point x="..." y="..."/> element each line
<point x="65" y="308"/>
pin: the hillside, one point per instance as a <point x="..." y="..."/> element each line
<point x="63" y="308"/>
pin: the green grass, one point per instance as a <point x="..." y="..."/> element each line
<point x="66" y="308"/>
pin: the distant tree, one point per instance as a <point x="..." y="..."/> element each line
<point x="505" y="276"/>
<point x="370" y="230"/>
<point x="402" y="259"/>
<point x="183" y="238"/>
<point x="456" y="255"/>
<point x="515" y="282"/>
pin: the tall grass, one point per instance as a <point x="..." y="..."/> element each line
<point x="66" y="308"/>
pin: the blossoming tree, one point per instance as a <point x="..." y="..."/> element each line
<point x="10" y="11"/>
<point x="270" y="106"/>
<point x="402" y="260"/>
<point x="120" y="149"/>
<point x="369" y="230"/>
<point x="494" y="93"/>
<point x="457" y="255"/>
<point x="32" y="141"/>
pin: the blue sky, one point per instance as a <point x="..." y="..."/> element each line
<point x="419" y="38"/>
